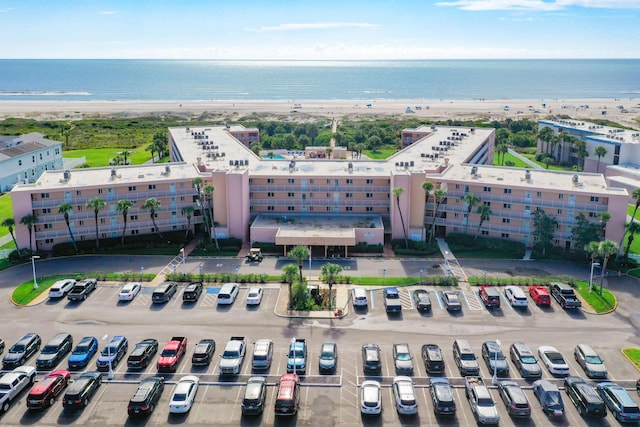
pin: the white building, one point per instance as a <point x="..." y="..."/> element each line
<point x="24" y="158"/>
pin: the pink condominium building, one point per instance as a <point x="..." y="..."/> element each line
<point x="329" y="204"/>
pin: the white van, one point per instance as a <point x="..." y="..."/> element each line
<point x="61" y="288"/>
<point x="228" y="293"/>
<point x="359" y="297"/>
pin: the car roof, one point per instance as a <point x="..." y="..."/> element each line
<point x="587" y="350"/>
<point x="545" y="385"/>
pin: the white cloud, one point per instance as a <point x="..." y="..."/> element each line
<point x="108" y="12"/>
<point x="316" y="26"/>
<point x="6" y="9"/>
<point x="538" y="5"/>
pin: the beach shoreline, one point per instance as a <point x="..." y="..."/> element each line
<point x="624" y="111"/>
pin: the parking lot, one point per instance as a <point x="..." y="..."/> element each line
<point x="325" y="400"/>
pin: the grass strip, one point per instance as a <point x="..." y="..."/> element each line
<point x="634" y="355"/>
<point x="601" y="304"/>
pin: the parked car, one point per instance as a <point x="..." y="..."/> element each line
<point x="82" y="390"/>
<point x="1" y="345"/>
<point x="328" y="358"/>
<point x="402" y="359"/>
<point x="45" y="392"/>
<point x="54" y="351"/>
<point x="164" y="292"/>
<point x="203" y="353"/>
<point x="83" y="353"/>
<point x="540" y="296"/>
<point x="371" y="361"/>
<point x="590" y="361"/>
<point x="422" y="300"/>
<point x="585" y="397"/>
<point x="441" y="392"/>
<point x="142" y="354"/>
<point x="359" y="297"/>
<point x="192" y="292"/>
<point x="228" y="293"/>
<point x="262" y="354"/>
<point x="61" y="288"/>
<point x="494" y="358"/>
<point x="112" y="353"/>
<point x="404" y="395"/>
<point x="254" y="296"/>
<point x="490" y="296"/>
<point x="553" y="360"/>
<point x="525" y="360"/>
<point x="21" y="351"/>
<point x="255" y="395"/>
<point x="514" y="399"/>
<point x="129" y="291"/>
<point x="451" y="301"/>
<point x="465" y="358"/>
<point x="619" y="402"/>
<point x="432" y="358"/>
<point x="370" y="397"/>
<point x="146" y="396"/>
<point x="13" y="383"/>
<point x="184" y="394"/>
<point x="516" y="296"/>
<point x="548" y="394"/>
<point x="288" y="395"/>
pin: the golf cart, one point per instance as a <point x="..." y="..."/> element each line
<point x="254" y="255"/>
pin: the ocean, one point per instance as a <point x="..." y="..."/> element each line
<point x="199" y="80"/>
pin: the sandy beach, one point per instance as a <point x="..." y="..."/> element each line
<point x="624" y="111"/>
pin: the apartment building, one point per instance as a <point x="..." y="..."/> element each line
<point x="330" y="205"/>
<point x="24" y="158"/>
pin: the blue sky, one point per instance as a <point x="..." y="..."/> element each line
<point x="310" y="29"/>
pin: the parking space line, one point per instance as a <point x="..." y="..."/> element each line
<point x="505" y="301"/>
<point x="371" y="297"/>
<point x="438" y="298"/>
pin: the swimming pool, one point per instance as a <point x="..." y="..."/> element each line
<point x="274" y="157"/>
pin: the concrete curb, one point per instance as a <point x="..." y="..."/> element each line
<point x="627" y="357"/>
<point x="295" y="314"/>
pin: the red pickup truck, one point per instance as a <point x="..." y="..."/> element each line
<point x="172" y="353"/>
<point x="540" y="295"/>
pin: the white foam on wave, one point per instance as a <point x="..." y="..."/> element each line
<point x="43" y="93"/>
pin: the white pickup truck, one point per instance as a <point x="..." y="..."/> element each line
<point x="12" y="383"/>
<point x="233" y="356"/>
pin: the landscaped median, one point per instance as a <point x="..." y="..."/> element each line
<point x="600" y="304"/>
<point x="633" y="354"/>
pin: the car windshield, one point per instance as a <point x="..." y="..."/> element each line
<point x="487" y="402"/>
<point x="81" y="349"/>
<point x="229" y="354"/>
<point x="327" y="354"/>
<point x="253" y="294"/>
<point x="49" y="349"/>
<point x="528" y="359"/>
<point x="296" y="354"/>
<point x="555" y="358"/>
<point x="403" y="356"/>
<point x="168" y="353"/>
<point x="496" y="355"/>
<point x="594" y="360"/>
<point x="179" y="397"/>
<point x="109" y="351"/>
<point x="18" y="348"/>
<point x="452" y="298"/>
<point x="467" y="356"/>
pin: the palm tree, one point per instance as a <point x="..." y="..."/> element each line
<point x="151" y="147"/>
<point x="428" y="187"/>
<point x="604" y="217"/>
<point x="485" y="213"/>
<point x="208" y="191"/>
<point x="96" y="204"/>
<point x="471" y="200"/>
<point x="439" y="196"/>
<point x="606" y="248"/>
<point x="289" y="273"/>
<point x="397" y="192"/>
<point x="600" y="151"/>
<point x="197" y="183"/>
<point x="502" y="149"/>
<point x="188" y="211"/>
<point x="635" y="196"/>
<point x="64" y="209"/>
<point x="592" y="249"/>
<point x="123" y="207"/>
<point x="330" y="272"/>
<point x="29" y="221"/>
<point x="10" y="223"/>
<point x="152" y="205"/>
<point x="545" y="134"/>
<point x="299" y="254"/>
<point x="632" y="230"/>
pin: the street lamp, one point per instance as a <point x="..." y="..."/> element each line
<point x="485" y="277"/>
<point x="237" y="269"/>
<point x="184" y="261"/>
<point x="384" y="272"/>
<point x="106" y="337"/>
<point x="593" y="265"/>
<point x="293" y="358"/>
<point x="421" y="272"/>
<point x="33" y="267"/>
<point x="495" y="363"/>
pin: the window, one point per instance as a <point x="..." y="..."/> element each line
<point x="33" y="172"/>
<point x="505" y="235"/>
<point x="152" y="186"/>
<point x="48" y="240"/>
<point x="133" y="217"/>
<point x="290" y="194"/>
<point x="57" y="151"/>
<point x="593" y="215"/>
<point x="457" y="186"/>
<point x="595" y="199"/>
<point x="349" y="181"/>
<point x="134" y="232"/>
<point x="44" y="195"/>
<point x="19" y="162"/>
<point x="81" y="223"/>
<point x="269" y="180"/>
<point x="78" y="193"/>
<point x="33" y="159"/>
<point x="484" y="232"/>
<point x="48" y="226"/>
<point x="507" y="191"/>
<point x="328" y="195"/>
<point x="40" y="156"/>
<point x="348" y="208"/>
<point x="486" y="189"/>
<point x="455" y="215"/>
<point x="328" y="208"/>
<point x="486" y="203"/>
<point x="270" y="194"/>
<point x="328" y="181"/>
<point x="311" y="181"/>
<point x="310" y="195"/>
<point x="182" y="198"/>
<point x="46" y="210"/>
<point x="369" y="195"/>
<point x="291" y="208"/>
<point x="559" y="211"/>
<point x="349" y="195"/>
<point x="132" y="188"/>
<point x="291" y="181"/>
<point x="506" y="220"/>
<point x="270" y="208"/>
<point x="560" y="196"/>
<point x="506" y="205"/>
<point x="369" y="181"/>
<point x="103" y="221"/>
<point x="99" y="190"/>
<point x="79" y="208"/>
<point x="539" y="194"/>
<point x="369" y="209"/>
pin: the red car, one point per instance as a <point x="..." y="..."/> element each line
<point x="44" y="393"/>
<point x="540" y="295"/>
<point x="490" y="296"/>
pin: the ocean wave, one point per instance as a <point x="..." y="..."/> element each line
<point x="43" y="93"/>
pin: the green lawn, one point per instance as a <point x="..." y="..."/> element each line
<point x="379" y="154"/>
<point x="6" y="211"/>
<point x="601" y="304"/>
<point x="634" y="355"/>
<point x="508" y="157"/>
<point x="98" y="157"/>
<point x="25" y="293"/>
<point x="532" y="157"/>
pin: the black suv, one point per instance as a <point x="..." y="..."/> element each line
<point x="21" y="351"/>
<point x="146" y="396"/>
<point x="203" y="352"/>
<point x="163" y="293"/>
<point x="54" y="351"/>
<point x="585" y="397"/>
<point x="142" y="354"/>
<point x="432" y="358"/>
<point x="192" y="292"/>
<point x="371" y="359"/>
<point x="442" y="396"/>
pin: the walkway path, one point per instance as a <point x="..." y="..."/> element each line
<point x="451" y="264"/>
<point x="533" y="165"/>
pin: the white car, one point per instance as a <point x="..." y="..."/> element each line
<point x="405" y="396"/>
<point x="129" y="291"/>
<point x="184" y="394"/>
<point x="61" y="288"/>
<point x="254" y="297"/>
<point x="553" y="360"/>
<point x="371" y="398"/>
<point x="516" y="296"/>
<point x="228" y="293"/>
